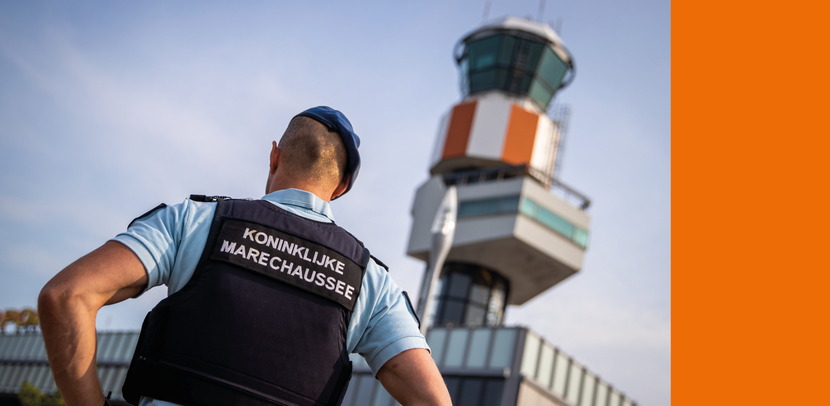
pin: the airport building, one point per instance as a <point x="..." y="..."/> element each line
<point x="493" y="224"/>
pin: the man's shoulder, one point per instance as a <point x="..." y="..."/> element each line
<point x="378" y="262"/>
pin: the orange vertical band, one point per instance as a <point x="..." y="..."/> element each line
<point x="458" y="132"/>
<point x="521" y="133"/>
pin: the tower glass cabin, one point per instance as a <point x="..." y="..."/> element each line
<point x="514" y="57"/>
<point x="470" y="294"/>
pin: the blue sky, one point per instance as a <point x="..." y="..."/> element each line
<point x="107" y="109"/>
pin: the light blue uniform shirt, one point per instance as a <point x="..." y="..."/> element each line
<point x="170" y="243"/>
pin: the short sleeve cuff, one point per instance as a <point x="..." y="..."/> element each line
<point x="391" y="350"/>
<point x="140" y="250"/>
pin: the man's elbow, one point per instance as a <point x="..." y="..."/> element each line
<point x="58" y="297"/>
<point x="52" y="298"/>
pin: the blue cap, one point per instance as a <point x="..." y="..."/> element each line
<point x="336" y="121"/>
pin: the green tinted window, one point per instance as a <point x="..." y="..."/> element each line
<point x="540" y="93"/>
<point x="524" y="84"/>
<point x="502" y="78"/>
<point x="528" y="208"/>
<point x="507" y="204"/>
<point x="478" y="208"/>
<point x="482" y="53"/>
<point x="555" y="222"/>
<point x="580" y="237"/>
<point x="480" y="81"/>
<point x="534" y="50"/>
<point x="552" y="69"/>
<point x="551" y="220"/>
<point x="506" y="49"/>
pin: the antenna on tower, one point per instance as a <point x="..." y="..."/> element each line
<point x="541" y="10"/>
<point x="558" y="26"/>
<point x="486" y="10"/>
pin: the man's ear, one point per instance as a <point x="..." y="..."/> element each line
<point x="275" y="157"/>
<point x="341" y="188"/>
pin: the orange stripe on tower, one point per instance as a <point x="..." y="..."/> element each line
<point x="458" y="132"/>
<point x="521" y="132"/>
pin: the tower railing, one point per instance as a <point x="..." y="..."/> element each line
<point x="498" y="174"/>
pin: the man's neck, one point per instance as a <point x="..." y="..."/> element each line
<point x="277" y="184"/>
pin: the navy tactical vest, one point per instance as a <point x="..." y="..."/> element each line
<point x="262" y="321"/>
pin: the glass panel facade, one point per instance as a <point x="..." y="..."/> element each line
<point x="530" y="355"/>
<point x="588" y="383"/>
<point x="502" y="350"/>
<point x="469" y="393"/>
<point x="545" y="369"/>
<point x="470" y="295"/>
<point x="381" y="397"/>
<point x="493" y="389"/>
<point x="452" y="386"/>
<point x="574" y="381"/>
<point x="475" y="391"/>
<point x="459" y="285"/>
<point x="435" y="340"/>
<point x="560" y="373"/>
<point x="479" y="344"/>
<point x="455" y="347"/>
<point x="364" y="389"/>
<point x="554" y="222"/>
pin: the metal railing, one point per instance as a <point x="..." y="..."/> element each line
<point x="500" y="173"/>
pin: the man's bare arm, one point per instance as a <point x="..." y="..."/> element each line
<point x="67" y="307"/>
<point x="412" y="378"/>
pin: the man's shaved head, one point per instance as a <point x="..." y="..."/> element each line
<point x="311" y="152"/>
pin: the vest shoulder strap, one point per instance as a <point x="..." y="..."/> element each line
<point x="203" y="198"/>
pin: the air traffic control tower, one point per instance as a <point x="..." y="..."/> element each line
<point x="498" y="147"/>
<point x="495" y="226"/>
